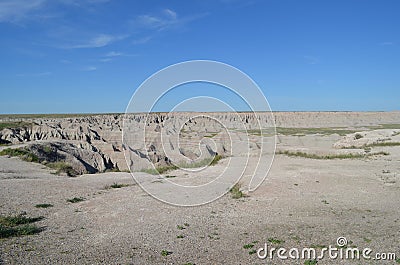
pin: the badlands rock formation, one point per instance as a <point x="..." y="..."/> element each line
<point x="90" y="144"/>
<point x="94" y="143"/>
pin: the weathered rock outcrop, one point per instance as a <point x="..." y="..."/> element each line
<point x="369" y="138"/>
<point x="94" y="143"/>
<point x="90" y="144"/>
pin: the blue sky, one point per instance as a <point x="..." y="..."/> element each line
<point x="75" y="56"/>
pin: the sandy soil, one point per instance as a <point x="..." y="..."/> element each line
<point x="303" y="203"/>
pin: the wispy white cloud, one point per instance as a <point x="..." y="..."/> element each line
<point x="168" y="12"/>
<point x="142" y="40"/>
<point x="89" y="68"/>
<point x="16" y="10"/>
<point x="164" y="20"/>
<point x="387" y="43"/>
<point x="113" y="54"/>
<point x="80" y="3"/>
<point x="108" y="57"/>
<point x="153" y="22"/>
<point x="105" y="60"/>
<point x="98" y="41"/>
<point x="34" y="74"/>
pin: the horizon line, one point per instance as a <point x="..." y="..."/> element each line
<point x="70" y="114"/>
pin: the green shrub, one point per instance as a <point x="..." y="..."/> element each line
<point x="18" y="220"/>
<point x="308" y="131"/>
<point x="180" y="227"/>
<point x="212" y="161"/>
<point x="358" y="136"/>
<point x="310" y="262"/>
<point x="275" y="241"/>
<point x="43" y="205"/>
<point x="211" y="135"/>
<point x="215" y="160"/>
<point x="63" y="167"/>
<point x="159" y="170"/>
<point x="23" y="153"/>
<point x="235" y="191"/>
<point x="116" y="185"/>
<point x="15" y="124"/>
<point x="47" y="149"/>
<point x="18" y="226"/>
<point x="331" y="156"/>
<point x="76" y="199"/>
<point x="248" y="246"/>
<point x="165" y="253"/>
<point x="383" y="144"/>
<point x="23" y="230"/>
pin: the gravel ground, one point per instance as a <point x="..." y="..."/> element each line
<point x="302" y="203"/>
